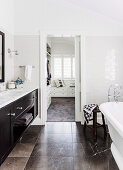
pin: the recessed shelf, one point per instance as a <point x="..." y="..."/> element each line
<point x="48" y="54"/>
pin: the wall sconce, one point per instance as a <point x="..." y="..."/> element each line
<point x="13" y="51"/>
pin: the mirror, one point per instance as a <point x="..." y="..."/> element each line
<point x="2" y="52"/>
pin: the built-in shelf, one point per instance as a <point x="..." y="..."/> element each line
<point x="48" y="46"/>
<point x="25" y="66"/>
<point x="48" y="54"/>
<point x="49" y="63"/>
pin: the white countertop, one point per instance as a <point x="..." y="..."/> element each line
<point x="9" y="96"/>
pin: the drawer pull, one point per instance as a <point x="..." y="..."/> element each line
<point x="12" y="114"/>
<point x="19" y="108"/>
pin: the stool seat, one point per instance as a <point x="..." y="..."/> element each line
<point x="96" y="124"/>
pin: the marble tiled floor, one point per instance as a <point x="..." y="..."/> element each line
<point x="62" y="109"/>
<point x="61" y="146"/>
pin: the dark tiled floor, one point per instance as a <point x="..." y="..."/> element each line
<point x="62" y="109"/>
<point x="61" y="146"/>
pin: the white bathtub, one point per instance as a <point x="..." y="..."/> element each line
<point x="114" y="114"/>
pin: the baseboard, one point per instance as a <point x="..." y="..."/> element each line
<point x="37" y="121"/>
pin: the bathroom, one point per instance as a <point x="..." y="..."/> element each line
<point x="24" y="27"/>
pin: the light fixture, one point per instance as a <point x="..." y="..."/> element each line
<point x="13" y="51"/>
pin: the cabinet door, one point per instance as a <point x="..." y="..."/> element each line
<point x="5" y="130"/>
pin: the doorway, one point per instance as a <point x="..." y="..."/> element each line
<point x="43" y="72"/>
<point x="60" y="79"/>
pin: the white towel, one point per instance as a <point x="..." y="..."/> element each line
<point x="28" y="72"/>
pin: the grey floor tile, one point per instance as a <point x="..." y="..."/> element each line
<point x="78" y="150"/>
<point x="50" y="163"/>
<point x="112" y="164"/>
<point x="77" y="128"/>
<point x="22" y="150"/>
<point x="29" y="138"/>
<point x="63" y="149"/>
<point x="81" y="163"/>
<point x="42" y="162"/>
<point x="58" y="128"/>
<point x="34" y="129"/>
<point x="14" y="163"/>
<point x="78" y="138"/>
<point x="61" y="110"/>
<point x="61" y="146"/>
<point x="55" y="138"/>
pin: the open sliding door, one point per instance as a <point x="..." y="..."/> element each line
<point x="79" y="77"/>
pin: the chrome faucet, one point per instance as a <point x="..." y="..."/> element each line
<point x="116" y="92"/>
<point x="109" y="95"/>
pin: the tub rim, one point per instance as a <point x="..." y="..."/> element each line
<point x="111" y="119"/>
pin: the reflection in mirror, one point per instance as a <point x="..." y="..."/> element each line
<point x="0" y="57"/>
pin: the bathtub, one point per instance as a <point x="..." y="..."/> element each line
<point x="113" y="112"/>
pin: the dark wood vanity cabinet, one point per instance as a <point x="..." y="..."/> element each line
<point x="11" y="128"/>
<point x="5" y="130"/>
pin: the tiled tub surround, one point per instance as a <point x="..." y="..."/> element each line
<point x="60" y="146"/>
<point x="18" y="108"/>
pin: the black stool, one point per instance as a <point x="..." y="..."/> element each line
<point x="96" y="124"/>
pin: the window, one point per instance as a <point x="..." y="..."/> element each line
<point x="73" y="68"/>
<point x="64" y="67"/>
<point x="67" y="67"/>
<point x="57" y="67"/>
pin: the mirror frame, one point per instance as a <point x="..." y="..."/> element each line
<point x="3" y="56"/>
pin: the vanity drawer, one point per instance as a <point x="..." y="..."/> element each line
<point x="31" y="95"/>
<point x="22" y="105"/>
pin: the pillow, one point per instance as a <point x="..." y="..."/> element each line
<point x="53" y="83"/>
<point x="59" y="83"/>
<point x="63" y="83"/>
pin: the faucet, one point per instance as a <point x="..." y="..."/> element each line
<point x="116" y="92"/>
<point x="109" y="95"/>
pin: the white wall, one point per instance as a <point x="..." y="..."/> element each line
<point x="28" y="48"/>
<point x="7" y="26"/>
<point x="9" y="59"/>
<point x="104" y="66"/>
<point x="32" y="16"/>
<point x="7" y="15"/>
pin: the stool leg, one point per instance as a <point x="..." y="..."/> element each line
<point x="94" y="125"/>
<point x="85" y="126"/>
<point x="104" y="126"/>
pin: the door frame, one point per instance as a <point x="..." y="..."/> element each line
<point x="43" y="76"/>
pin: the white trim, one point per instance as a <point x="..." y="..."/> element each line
<point x="83" y="77"/>
<point x="77" y="80"/>
<point x="43" y="35"/>
<point x="42" y="74"/>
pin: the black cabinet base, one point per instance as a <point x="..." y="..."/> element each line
<point x="11" y="124"/>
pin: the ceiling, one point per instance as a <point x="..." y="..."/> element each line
<point x="112" y="9"/>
